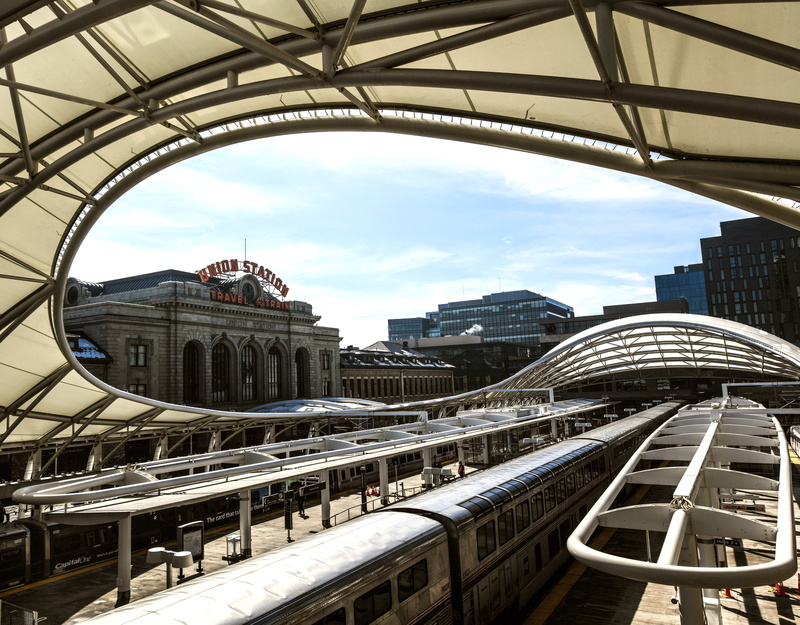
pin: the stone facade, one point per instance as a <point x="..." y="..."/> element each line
<point x="182" y="343"/>
<point x="390" y="373"/>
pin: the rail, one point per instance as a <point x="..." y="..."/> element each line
<point x="358" y="510"/>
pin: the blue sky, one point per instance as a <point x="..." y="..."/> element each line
<point x="367" y="227"/>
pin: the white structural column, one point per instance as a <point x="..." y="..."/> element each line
<point x="34" y="464"/>
<point x="245" y="523"/>
<point x="325" y="498"/>
<point x="124" y="561"/>
<point x="383" y="476"/>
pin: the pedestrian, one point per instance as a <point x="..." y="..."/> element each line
<point x="301" y="508"/>
<point x="461" y="471"/>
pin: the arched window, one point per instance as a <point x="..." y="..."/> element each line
<point x="248" y="373"/>
<point x="220" y="373"/>
<point x="301" y="369"/>
<point x="274" y="374"/>
<point x="191" y="374"/>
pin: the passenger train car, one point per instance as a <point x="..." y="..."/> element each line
<point x="465" y="553"/>
<point x="32" y="550"/>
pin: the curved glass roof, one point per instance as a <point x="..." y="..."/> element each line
<point x="97" y="96"/>
<point x="679" y="343"/>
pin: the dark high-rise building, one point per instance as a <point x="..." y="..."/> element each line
<point x="687" y="282"/>
<point x="753" y="275"/>
<point x="414" y="327"/>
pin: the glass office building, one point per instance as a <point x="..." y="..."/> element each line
<point x="513" y="317"/>
<point x="687" y="282"/>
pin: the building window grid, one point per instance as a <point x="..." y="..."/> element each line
<point x="274" y="374"/>
<point x="220" y="373"/>
<point x="137" y="355"/>
<point x="248" y="373"/>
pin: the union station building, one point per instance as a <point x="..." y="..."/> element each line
<point x="224" y="337"/>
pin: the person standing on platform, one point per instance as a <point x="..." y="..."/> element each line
<point x="461" y="471"/>
<point x="301" y="507"/>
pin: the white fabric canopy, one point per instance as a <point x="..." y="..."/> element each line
<point x="97" y="95"/>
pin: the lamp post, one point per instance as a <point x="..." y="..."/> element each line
<point x="173" y="560"/>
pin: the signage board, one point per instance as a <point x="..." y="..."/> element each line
<point x="191" y="537"/>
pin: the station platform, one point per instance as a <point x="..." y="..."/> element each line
<point x="75" y="597"/>
<point x="584" y="596"/>
<point x="581" y="596"/>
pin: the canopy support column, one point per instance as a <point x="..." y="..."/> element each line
<point x="124" y="562"/>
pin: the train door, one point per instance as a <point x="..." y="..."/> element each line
<point x="489" y="590"/>
<point x="508" y="582"/>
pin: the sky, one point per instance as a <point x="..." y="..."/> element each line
<point x="366" y="227"/>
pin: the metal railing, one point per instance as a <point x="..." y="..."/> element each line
<point x="357" y="510"/>
<point x="11" y="614"/>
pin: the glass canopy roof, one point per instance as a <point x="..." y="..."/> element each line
<point x="97" y="96"/>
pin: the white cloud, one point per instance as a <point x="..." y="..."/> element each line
<point x="194" y="187"/>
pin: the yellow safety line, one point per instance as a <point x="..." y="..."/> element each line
<point x="548" y="605"/>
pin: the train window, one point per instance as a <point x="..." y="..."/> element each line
<point x="523" y="515"/>
<point x="66" y="544"/>
<point x="553" y="544"/>
<point x="334" y="618"/>
<point x="565" y="529"/>
<point x="570" y="479"/>
<point x="538" y="506"/>
<point x="373" y="604"/>
<point x="505" y="526"/>
<point x="514" y="486"/>
<point x="497" y="496"/>
<point x="486" y="542"/>
<point x="561" y="491"/>
<point x="478" y="506"/>
<point x="549" y="498"/>
<point x="412" y="580"/>
<point x="579" y="478"/>
<point x="10" y="555"/>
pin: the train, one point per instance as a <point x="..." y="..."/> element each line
<point x="32" y="550"/>
<point x="472" y="552"/>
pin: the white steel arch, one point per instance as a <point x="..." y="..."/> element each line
<point x="700" y="445"/>
<point x="97" y="95"/>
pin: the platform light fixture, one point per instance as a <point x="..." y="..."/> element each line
<point x="173" y="560"/>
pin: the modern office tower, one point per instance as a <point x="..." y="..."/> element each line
<point x="412" y="328"/>
<point x="753" y="275"/>
<point x="512" y="317"/>
<point x="687" y="282"/>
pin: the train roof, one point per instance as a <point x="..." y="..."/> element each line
<point x="285" y="576"/>
<point x="480" y="493"/>
<point x="484" y="492"/>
